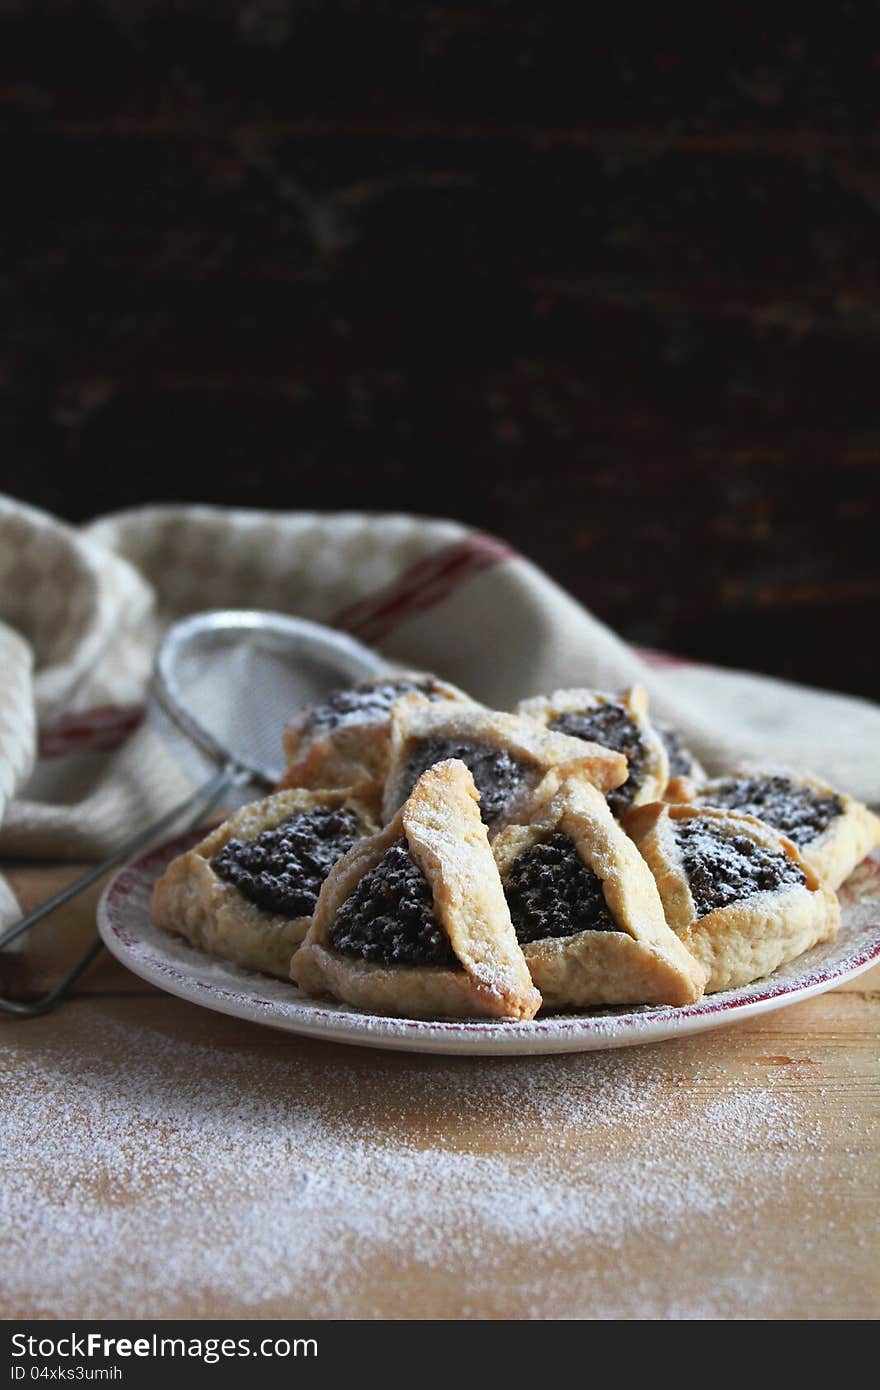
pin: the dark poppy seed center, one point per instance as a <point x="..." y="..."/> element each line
<point x="611" y="726"/>
<point x="282" y="870"/>
<point x="367" y="701"/>
<point x="724" y="867"/>
<point x="390" y="919"/>
<point x="498" y="775"/>
<point x="797" y="811"/>
<point x="551" y="892"/>
<point x="681" y="759"/>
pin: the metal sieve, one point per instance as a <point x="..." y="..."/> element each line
<point x="222" y="688"/>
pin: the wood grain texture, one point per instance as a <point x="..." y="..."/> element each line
<point x="807" y="1249"/>
<point x="780" y="1115"/>
<point x="607" y="285"/>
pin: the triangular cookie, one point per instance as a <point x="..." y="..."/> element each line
<point x="246" y="892"/>
<point x="617" y="722"/>
<point x="507" y="756"/>
<point x="347" y="737"/>
<point x="585" y="907"/>
<point x="832" y="832"/>
<point x="413" y="921"/>
<point x="734" y="890"/>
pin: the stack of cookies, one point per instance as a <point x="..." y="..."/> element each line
<point x="428" y="857"/>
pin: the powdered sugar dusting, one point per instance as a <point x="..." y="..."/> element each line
<point x="301" y="1180"/>
<point x="220" y="1168"/>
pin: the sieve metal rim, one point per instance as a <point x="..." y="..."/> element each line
<point x="312" y="638"/>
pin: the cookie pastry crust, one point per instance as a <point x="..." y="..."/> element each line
<point x="413" y="921"/>
<point x="833" y="832"/>
<point x="346" y="738"/>
<point x="247" y="891"/>
<point x="507" y="756"/>
<point x="735" y="891"/>
<point x="586" y="909"/>
<point x="617" y="722"/>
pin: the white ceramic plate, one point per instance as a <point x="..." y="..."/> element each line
<point x="124" y="922"/>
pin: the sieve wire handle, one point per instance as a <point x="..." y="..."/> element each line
<point x="201" y="801"/>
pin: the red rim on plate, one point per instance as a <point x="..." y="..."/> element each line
<point x="173" y="965"/>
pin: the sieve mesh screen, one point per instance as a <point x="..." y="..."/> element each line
<point x="231" y="681"/>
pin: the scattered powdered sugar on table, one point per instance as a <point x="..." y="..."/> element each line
<point x="151" y="1167"/>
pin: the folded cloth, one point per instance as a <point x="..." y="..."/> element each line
<point x="82" y="609"/>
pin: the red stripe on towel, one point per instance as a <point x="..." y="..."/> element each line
<point x="421" y="587"/>
<point x="96" y="730"/>
<point x="659" y="660"/>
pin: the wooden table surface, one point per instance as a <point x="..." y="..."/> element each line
<point x="175" y="1162"/>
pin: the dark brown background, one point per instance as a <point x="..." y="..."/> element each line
<point x="607" y="287"/>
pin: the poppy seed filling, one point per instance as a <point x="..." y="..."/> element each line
<point x="498" y="775"/>
<point x="612" y="726"/>
<point x="367" y="702"/>
<point x="282" y="869"/>
<point x="390" y="919"/>
<point x="797" y="811"/>
<point x="551" y="892"/>
<point x="681" y="760"/>
<point x="723" y="867"/>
